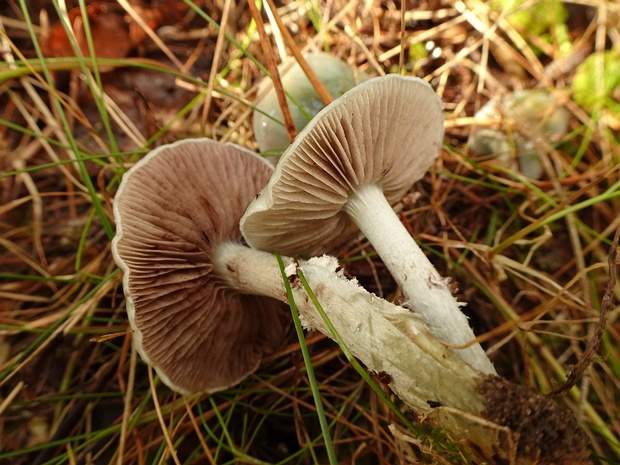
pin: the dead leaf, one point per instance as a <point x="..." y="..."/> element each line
<point x="114" y="34"/>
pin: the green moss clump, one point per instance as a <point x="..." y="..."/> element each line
<point x="595" y="92"/>
<point x="535" y="17"/>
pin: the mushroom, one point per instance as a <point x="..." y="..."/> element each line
<point x="177" y="214"/>
<point x="186" y="274"/>
<point x="200" y="303"/>
<point x="303" y="100"/>
<point x="358" y="156"/>
<point x="523" y="115"/>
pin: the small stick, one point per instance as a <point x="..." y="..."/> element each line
<point x="324" y="94"/>
<point x="575" y="372"/>
<point x="217" y="55"/>
<point x="401" y="55"/>
<point x="273" y="70"/>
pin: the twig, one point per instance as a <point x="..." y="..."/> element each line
<point x="160" y="417"/>
<point x="273" y="70"/>
<point x="575" y="372"/>
<point x="319" y="87"/>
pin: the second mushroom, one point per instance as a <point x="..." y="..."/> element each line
<point x="358" y="156"/>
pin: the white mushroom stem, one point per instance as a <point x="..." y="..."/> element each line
<point x="427" y="293"/>
<point x="385" y="337"/>
<point x="249" y="271"/>
<point x="443" y="391"/>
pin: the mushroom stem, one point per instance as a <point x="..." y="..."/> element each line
<point x="249" y="271"/>
<point x="427" y="293"/>
<point x="385" y="337"/>
<point x="491" y="413"/>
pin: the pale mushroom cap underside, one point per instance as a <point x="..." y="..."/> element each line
<point x="386" y="131"/>
<point x="172" y="209"/>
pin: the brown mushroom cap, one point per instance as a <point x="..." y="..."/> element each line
<point x="172" y="210"/>
<point x="386" y="131"/>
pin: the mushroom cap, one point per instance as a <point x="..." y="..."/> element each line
<point x="386" y="131"/>
<point x="172" y="210"/>
<point x="335" y="74"/>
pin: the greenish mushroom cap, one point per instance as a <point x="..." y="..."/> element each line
<point x="304" y="102"/>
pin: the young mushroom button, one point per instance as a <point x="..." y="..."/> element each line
<point x="358" y="156"/>
<point x="335" y="74"/>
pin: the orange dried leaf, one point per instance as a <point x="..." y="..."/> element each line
<point x="113" y="33"/>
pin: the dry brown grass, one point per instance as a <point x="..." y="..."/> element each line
<point x="530" y="258"/>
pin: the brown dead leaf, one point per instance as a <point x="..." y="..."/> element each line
<point x="113" y="32"/>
